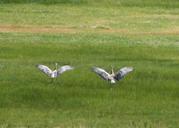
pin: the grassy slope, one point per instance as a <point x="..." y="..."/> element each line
<point x="148" y="97"/>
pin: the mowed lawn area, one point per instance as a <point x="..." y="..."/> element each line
<point x="141" y="34"/>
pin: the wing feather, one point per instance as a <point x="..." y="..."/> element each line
<point x="45" y="69"/>
<point x="64" y="69"/>
<point x="123" y="72"/>
<point x="101" y="72"/>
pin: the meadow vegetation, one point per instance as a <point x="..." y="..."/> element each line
<point x="86" y="33"/>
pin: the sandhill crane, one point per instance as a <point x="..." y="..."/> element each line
<point x="55" y="73"/>
<point x="112" y="77"/>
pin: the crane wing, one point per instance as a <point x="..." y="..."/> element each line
<point x="101" y="72"/>
<point x="45" y="69"/>
<point x="64" y="68"/>
<point x="123" y="72"/>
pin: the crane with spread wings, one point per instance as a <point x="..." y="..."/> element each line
<point x="113" y="77"/>
<point x="54" y="73"/>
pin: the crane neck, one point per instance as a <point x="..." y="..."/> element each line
<point x="112" y="71"/>
<point x="56" y="66"/>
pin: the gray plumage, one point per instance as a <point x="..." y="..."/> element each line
<point x="55" y="73"/>
<point x="122" y="72"/>
<point x="112" y="77"/>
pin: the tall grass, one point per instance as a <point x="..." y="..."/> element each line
<point x="145" y="98"/>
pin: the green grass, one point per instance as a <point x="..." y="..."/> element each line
<point x="132" y="19"/>
<point x="118" y="3"/>
<point x="146" y="98"/>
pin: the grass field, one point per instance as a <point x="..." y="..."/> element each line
<point x="142" y="34"/>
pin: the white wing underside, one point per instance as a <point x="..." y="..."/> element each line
<point x="101" y="72"/>
<point x="64" y="69"/>
<point x="45" y="69"/>
<point x="124" y="71"/>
